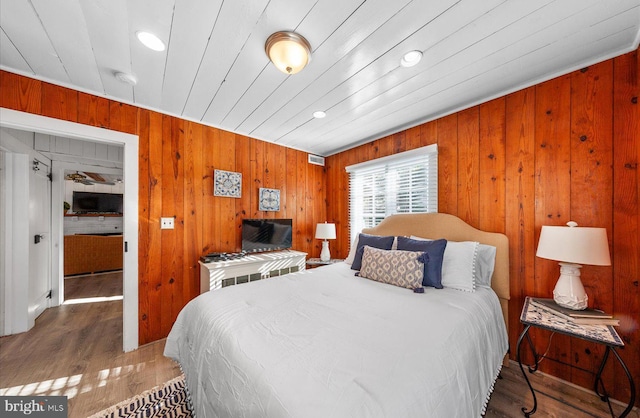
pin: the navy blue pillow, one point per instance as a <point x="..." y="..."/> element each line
<point x="435" y="250"/>
<point x="375" y="241"/>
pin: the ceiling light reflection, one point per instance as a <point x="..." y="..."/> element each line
<point x="150" y="40"/>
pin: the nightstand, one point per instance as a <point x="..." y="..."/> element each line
<point x="315" y="262"/>
<point x="533" y="316"/>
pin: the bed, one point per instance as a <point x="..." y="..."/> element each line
<point x="325" y="343"/>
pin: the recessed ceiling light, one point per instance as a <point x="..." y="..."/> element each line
<point x="129" y="79"/>
<point x="319" y="114"/>
<point x="150" y="40"/>
<point x="411" y="58"/>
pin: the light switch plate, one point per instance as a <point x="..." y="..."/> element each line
<point x="166" y="223"/>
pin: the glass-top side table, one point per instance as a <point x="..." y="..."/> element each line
<point x="533" y="316"/>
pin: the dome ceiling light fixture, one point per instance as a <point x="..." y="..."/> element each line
<point x="288" y="51"/>
<point x="319" y="114"/>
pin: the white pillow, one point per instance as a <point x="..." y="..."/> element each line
<point x="459" y="264"/>
<point x="485" y="263"/>
<point x="352" y="251"/>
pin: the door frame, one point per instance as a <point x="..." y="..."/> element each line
<point x="36" y="123"/>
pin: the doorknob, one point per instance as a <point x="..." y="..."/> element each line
<point x="37" y="238"/>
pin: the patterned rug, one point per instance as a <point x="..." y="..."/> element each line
<point x="169" y="400"/>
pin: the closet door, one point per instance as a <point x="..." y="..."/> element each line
<point x="39" y="239"/>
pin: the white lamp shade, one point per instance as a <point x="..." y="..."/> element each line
<point x="573" y="244"/>
<point x="326" y="231"/>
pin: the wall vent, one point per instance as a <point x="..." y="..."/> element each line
<point x="316" y="159"/>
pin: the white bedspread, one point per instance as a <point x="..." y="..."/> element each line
<point x="323" y="343"/>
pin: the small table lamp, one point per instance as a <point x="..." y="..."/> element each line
<point x="573" y="246"/>
<point x="325" y="231"/>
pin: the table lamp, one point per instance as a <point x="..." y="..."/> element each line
<point x="573" y="246"/>
<point x="325" y="231"/>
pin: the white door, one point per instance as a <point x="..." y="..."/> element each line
<point x="4" y="269"/>
<point x="39" y="239"/>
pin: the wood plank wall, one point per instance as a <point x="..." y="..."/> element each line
<point x="176" y="163"/>
<point x="566" y="149"/>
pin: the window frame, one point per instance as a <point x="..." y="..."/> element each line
<point x="388" y="168"/>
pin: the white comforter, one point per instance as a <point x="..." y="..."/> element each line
<point x="324" y="343"/>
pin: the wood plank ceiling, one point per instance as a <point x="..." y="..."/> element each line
<point x="214" y="69"/>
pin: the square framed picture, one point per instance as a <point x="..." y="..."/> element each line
<point x="269" y="199"/>
<point x="227" y="183"/>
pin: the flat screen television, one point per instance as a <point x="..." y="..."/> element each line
<point x="259" y="235"/>
<point x="90" y="202"/>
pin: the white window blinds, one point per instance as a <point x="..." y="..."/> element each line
<point x="401" y="183"/>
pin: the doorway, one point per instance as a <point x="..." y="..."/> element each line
<point x="35" y="123"/>
<point x="92" y="224"/>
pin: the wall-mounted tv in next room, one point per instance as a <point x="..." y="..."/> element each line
<point x="266" y="234"/>
<point x="90" y="202"/>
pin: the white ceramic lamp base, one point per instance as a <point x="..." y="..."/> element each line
<point x="569" y="291"/>
<point x="325" y="255"/>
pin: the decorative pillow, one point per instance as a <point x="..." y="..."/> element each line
<point x="399" y="268"/>
<point x="432" y="268"/>
<point x="375" y="241"/>
<point x="354" y="246"/>
<point x="459" y="264"/>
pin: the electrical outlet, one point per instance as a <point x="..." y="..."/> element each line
<point x="166" y="223"/>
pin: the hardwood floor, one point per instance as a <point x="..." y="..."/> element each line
<point x="76" y="350"/>
<point x="556" y="398"/>
<point x="93" y="285"/>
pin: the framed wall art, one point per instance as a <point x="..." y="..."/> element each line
<point x="227" y="183"/>
<point x="269" y="199"/>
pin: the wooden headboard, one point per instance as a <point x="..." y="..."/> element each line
<point x="442" y="225"/>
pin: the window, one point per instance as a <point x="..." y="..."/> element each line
<point x="401" y="183"/>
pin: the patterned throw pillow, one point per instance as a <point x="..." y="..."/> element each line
<point x="399" y="268"/>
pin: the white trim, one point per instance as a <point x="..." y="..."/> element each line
<point x="50" y="126"/>
<point x="15" y="278"/>
<point x="429" y="149"/>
